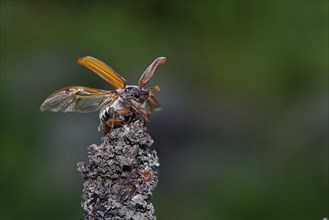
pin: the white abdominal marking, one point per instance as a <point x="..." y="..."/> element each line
<point x="104" y="114"/>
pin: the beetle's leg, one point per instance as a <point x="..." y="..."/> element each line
<point x="111" y="123"/>
<point x="124" y="113"/>
<point x="141" y="112"/>
<point x="115" y="120"/>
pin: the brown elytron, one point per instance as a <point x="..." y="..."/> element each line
<point x="126" y="103"/>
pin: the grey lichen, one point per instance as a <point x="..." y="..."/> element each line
<point x="121" y="175"/>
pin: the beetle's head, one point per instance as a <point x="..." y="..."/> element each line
<point x="136" y="93"/>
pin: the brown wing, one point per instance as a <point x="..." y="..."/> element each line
<point x="103" y="70"/>
<point x="152" y="104"/>
<point x="77" y="99"/>
<point x="148" y="73"/>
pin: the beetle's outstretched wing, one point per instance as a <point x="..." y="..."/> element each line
<point x="77" y="99"/>
<point x="103" y="70"/>
<point x="148" y="73"/>
<point x="152" y="104"/>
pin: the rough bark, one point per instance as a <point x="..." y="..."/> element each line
<point x="120" y="176"/>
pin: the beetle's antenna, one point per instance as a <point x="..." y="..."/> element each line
<point x="154" y="88"/>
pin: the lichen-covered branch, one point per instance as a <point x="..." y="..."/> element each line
<point x="120" y="176"/>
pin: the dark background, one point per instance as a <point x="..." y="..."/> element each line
<point x="243" y="133"/>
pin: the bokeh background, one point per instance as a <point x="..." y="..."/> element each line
<point x="243" y="133"/>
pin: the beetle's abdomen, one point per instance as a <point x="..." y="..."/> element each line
<point x="105" y="114"/>
<point x="115" y="114"/>
<point x="108" y="112"/>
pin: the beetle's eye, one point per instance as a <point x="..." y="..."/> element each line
<point x="144" y="96"/>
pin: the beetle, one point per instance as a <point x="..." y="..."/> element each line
<point x="117" y="107"/>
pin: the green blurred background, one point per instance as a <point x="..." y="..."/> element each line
<point x="243" y="133"/>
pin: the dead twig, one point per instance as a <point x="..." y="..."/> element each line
<point x="121" y="175"/>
